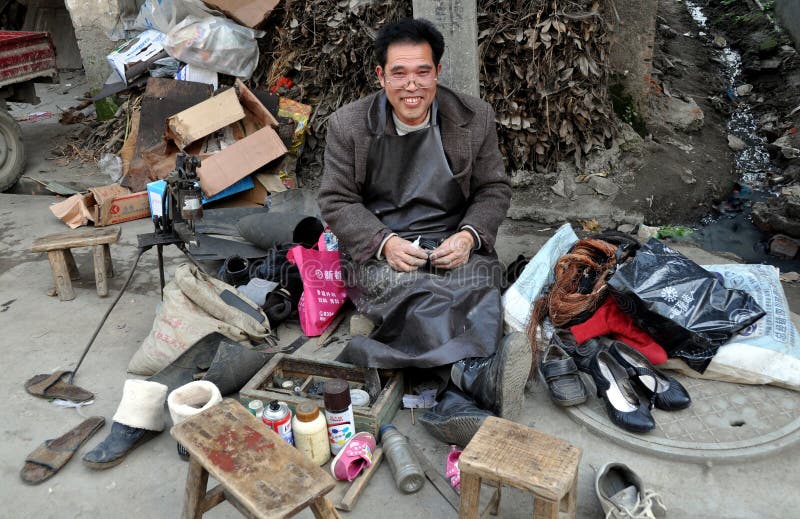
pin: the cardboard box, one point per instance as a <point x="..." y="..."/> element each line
<point x="204" y="118"/>
<point x="250" y="13"/>
<point x="137" y="50"/>
<point x="259" y="146"/>
<point x="104" y="205"/>
<point x="113" y="207"/>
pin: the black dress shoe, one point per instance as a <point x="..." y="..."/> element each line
<point x="455" y="418"/>
<point x="582" y="354"/>
<point x="623" y="406"/>
<point x="118" y="444"/>
<point x="663" y="391"/>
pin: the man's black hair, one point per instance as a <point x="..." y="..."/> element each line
<point x="409" y="30"/>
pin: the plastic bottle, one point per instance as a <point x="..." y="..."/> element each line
<point x="311" y="433"/>
<point x="406" y="470"/>
<point x="338" y="413"/>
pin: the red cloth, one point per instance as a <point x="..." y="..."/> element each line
<point x="610" y="320"/>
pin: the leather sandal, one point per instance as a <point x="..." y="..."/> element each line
<point x="560" y="373"/>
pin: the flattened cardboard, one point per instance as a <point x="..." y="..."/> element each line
<point x="205" y="118"/>
<point x="74" y="211"/>
<point x="250" y="13"/>
<point x="245" y="156"/>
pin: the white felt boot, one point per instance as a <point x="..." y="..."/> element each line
<point x="192" y="398"/>
<point x="142" y="405"/>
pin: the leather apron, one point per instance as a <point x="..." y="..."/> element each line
<point x="426" y="318"/>
<point x="409" y="184"/>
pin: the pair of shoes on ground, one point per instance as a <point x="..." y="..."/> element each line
<point x="618" y="371"/>
<point x="622" y="494"/>
<point x="489" y="386"/>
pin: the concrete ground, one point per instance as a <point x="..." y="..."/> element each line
<point x="41" y="334"/>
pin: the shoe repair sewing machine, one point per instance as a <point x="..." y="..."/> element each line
<point x="181" y="207"/>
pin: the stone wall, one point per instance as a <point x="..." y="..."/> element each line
<point x="788" y="12"/>
<point x="632" y="51"/>
<point x="93" y="21"/>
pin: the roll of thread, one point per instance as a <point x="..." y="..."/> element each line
<point x="338" y="413"/>
<point x="407" y="473"/>
<point x="311" y="433"/>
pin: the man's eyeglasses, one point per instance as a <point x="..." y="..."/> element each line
<point x="402" y="81"/>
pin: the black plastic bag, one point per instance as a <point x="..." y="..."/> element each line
<point x="681" y="305"/>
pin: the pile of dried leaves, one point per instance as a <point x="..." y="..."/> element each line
<point x="544" y="68"/>
<point x="325" y="48"/>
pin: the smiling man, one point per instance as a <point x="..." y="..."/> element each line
<point x="414" y="188"/>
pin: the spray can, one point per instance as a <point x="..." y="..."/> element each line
<point x="338" y="413"/>
<point x="408" y="474"/>
<point x="278" y="417"/>
<point x="311" y="433"/>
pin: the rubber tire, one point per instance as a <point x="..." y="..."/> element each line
<point x="12" y="151"/>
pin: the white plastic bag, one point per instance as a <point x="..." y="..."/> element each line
<point x="163" y="15"/>
<point x="216" y="44"/>
<point x="538" y="273"/>
<point x="767" y="351"/>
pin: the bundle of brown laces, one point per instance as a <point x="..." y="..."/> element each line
<point x="580" y="285"/>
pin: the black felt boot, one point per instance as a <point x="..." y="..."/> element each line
<point x="455" y="418"/>
<point x="118" y="444"/>
<point x="139" y="417"/>
<point x="497" y="383"/>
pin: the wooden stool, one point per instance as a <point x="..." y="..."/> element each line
<point x="508" y="453"/>
<point x="57" y="246"/>
<point x="258" y="472"/>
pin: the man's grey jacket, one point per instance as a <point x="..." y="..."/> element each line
<point x="469" y="139"/>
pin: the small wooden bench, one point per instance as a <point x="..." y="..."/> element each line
<point x="258" y="472"/>
<point x="511" y="454"/>
<point x="58" y="248"/>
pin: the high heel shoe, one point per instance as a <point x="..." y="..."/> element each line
<point x="664" y="391"/>
<point x="614" y="387"/>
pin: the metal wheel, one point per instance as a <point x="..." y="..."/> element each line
<point x="12" y="151"/>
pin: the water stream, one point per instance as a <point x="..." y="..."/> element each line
<point x="733" y="230"/>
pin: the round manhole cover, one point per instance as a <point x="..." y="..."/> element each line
<point x="725" y="422"/>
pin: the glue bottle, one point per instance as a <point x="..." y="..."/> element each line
<point x="338" y="413"/>
<point x="311" y="433"/>
<point x="408" y="475"/>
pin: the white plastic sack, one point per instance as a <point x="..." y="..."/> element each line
<point x="163" y="15"/>
<point x="766" y="352"/>
<point x="192" y="308"/>
<point x="538" y="273"/>
<point x="216" y="44"/>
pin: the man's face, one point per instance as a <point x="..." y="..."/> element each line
<point x="409" y="80"/>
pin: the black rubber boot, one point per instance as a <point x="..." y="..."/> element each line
<point x="455" y="418"/>
<point x="118" y="444"/>
<point x="497" y="383"/>
<point x="235" y="271"/>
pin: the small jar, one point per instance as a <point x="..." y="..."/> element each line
<point x="311" y="433"/>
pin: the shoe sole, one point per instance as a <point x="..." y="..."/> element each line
<point x="457" y="430"/>
<point x="94" y="465"/>
<point x="515" y="362"/>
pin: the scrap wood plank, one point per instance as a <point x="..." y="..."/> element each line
<point x="440" y="483"/>
<point x="346" y="494"/>
<point x="163" y="98"/>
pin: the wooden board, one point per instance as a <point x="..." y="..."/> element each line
<point x="163" y="98"/>
<point x="346" y="494"/>
<point x="252" y="463"/>
<point x="76" y="238"/>
<point x="368" y="418"/>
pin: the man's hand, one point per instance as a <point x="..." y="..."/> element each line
<point x="454" y="251"/>
<point x="402" y="255"/>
